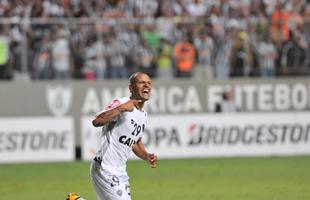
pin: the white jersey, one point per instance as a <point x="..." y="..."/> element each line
<point x="118" y="138"/>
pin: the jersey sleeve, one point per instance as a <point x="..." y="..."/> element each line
<point x="113" y="104"/>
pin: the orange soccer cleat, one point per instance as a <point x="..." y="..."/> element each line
<point x="74" y="196"/>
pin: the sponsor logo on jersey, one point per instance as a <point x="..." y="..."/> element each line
<point x="114" y="104"/>
<point x="114" y="181"/>
<point x="126" y="140"/>
<point x="119" y="192"/>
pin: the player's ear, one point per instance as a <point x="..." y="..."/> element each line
<point x="130" y="88"/>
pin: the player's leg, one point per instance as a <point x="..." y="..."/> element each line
<point x="108" y="187"/>
<point x="99" y="182"/>
<point x="127" y="194"/>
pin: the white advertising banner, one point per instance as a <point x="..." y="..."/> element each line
<point x="215" y="135"/>
<point x="36" y="139"/>
<point x="90" y="138"/>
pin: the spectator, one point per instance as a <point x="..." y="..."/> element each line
<point x="184" y="57"/>
<point x="37" y="9"/>
<point x="217" y="22"/>
<point x="116" y="55"/>
<point x="128" y="35"/>
<point x="61" y="56"/>
<point x="101" y="63"/>
<point x="179" y="8"/>
<point x="223" y="58"/>
<point x="166" y="27"/>
<point x="267" y="55"/>
<point x="89" y="71"/>
<point x="119" y="9"/>
<point x="78" y="42"/>
<point x="150" y="35"/>
<point x="4" y="53"/>
<point x="95" y="62"/>
<point x="262" y="25"/>
<point x="196" y="8"/>
<point x="145" y="8"/>
<point x="294" y="54"/>
<point x="205" y="47"/>
<point x="144" y="59"/>
<point x="241" y="56"/>
<point x="228" y="104"/>
<point x="42" y="59"/>
<point x="279" y="21"/>
<point x="164" y="62"/>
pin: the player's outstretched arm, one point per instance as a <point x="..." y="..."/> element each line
<point x="141" y="152"/>
<point x="107" y="116"/>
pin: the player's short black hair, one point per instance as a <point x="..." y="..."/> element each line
<point x="132" y="78"/>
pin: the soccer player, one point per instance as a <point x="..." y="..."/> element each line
<point x="123" y="123"/>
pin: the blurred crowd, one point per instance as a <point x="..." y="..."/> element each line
<point x="109" y="39"/>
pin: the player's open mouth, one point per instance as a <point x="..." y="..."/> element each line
<point x="146" y="91"/>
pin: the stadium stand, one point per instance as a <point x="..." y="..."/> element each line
<point x="104" y="39"/>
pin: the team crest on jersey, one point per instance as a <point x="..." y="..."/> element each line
<point x="114" y="181"/>
<point x="119" y="192"/>
<point x="59" y="99"/>
<point x="114" y="104"/>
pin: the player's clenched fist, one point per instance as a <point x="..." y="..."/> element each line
<point x="129" y="105"/>
<point x="152" y="159"/>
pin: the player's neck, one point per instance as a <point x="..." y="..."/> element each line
<point x="139" y="105"/>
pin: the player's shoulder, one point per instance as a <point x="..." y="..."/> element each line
<point x="116" y="102"/>
<point x="123" y="99"/>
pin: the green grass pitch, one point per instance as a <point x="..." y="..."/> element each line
<point x="272" y="178"/>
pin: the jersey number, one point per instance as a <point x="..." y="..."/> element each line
<point x="137" y="128"/>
